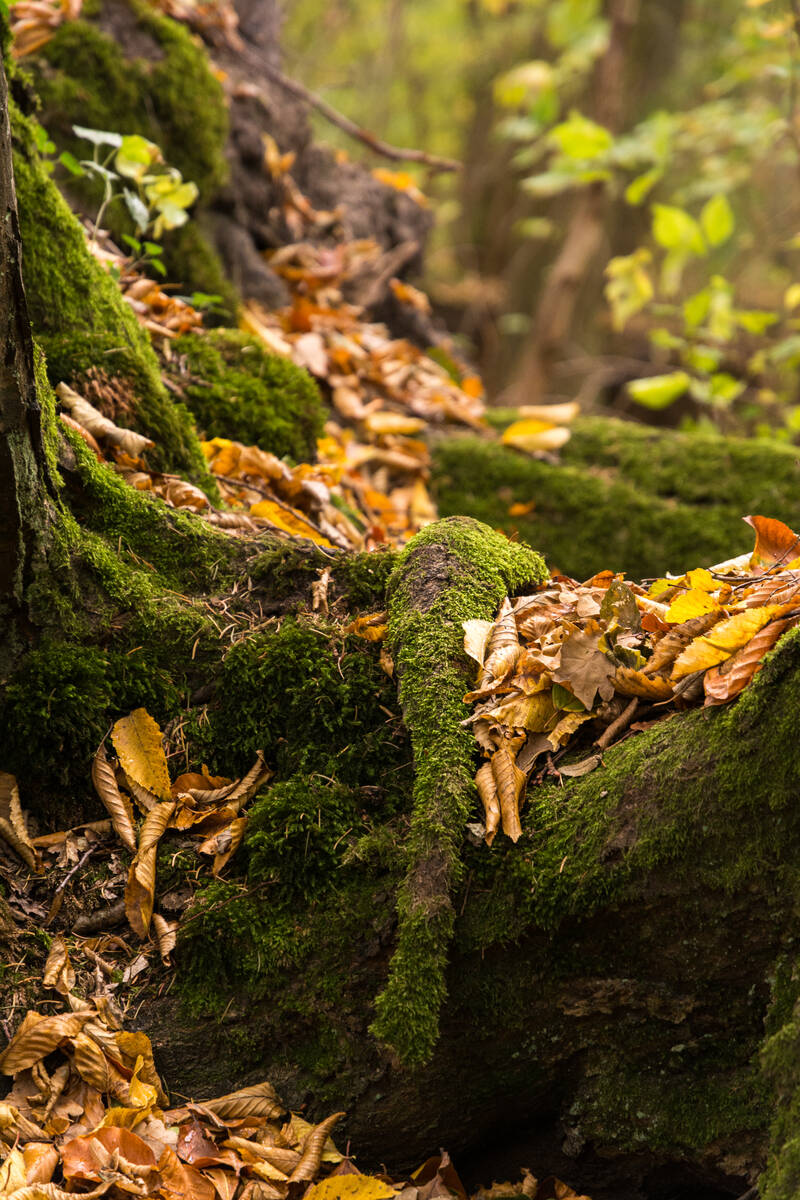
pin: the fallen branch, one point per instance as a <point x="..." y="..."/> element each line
<point x="434" y="161"/>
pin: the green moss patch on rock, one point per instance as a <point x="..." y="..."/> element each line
<point x="237" y="390"/>
<point x="628" y="497"/>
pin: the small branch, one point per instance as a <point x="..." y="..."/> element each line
<point x="376" y="144"/>
<point x="619" y="726"/>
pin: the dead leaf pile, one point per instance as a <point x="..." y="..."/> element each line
<point x="596" y="654"/>
<point x="163" y="315"/>
<point x="33" y="22"/>
<point x="95" y="1121"/>
<point x="208" y="806"/>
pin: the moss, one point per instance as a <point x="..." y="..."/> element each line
<point x="80" y="318"/>
<point x="632" y="498"/>
<point x="84" y="78"/>
<point x="314" y="702"/>
<point x="296" y="833"/>
<point x="89" y="81"/>
<point x="237" y="390"/>
<point x="452" y="571"/>
<point x="780" y="1064"/>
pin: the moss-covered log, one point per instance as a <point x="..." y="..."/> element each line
<point x="630" y="497"/>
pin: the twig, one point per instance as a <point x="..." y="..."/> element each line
<point x="619" y="726"/>
<point x="77" y="867"/>
<point x="344" y="123"/>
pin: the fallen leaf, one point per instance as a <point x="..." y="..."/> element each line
<point x="535" y="436"/>
<point x="58" y="971"/>
<point x="259" y="1100"/>
<point x="724" y="682"/>
<point x="690" y="604"/>
<point x="37" y="1036"/>
<point x="775" y="544"/>
<point x="351" y="1187"/>
<point x="722" y="640"/>
<point x="13" y="829"/>
<point x="117" y="805"/>
<point x="476" y="636"/>
<point x="138" y="742"/>
<point x="140" y="889"/>
<point x="584" y="668"/>
<point x="487" y="790"/>
<point x="509" y="782"/>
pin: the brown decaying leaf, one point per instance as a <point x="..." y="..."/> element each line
<point x="37" y="1036"/>
<point x="58" y="972"/>
<point x="726" y="681"/>
<point x="629" y="682"/>
<point x="99" y="426"/>
<point x="13" y="829"/>
<point x="258" y="1100"/>
<point x="311" y="1154"/>
<point x="509" y="781"/>
<point x="140" y="889"/>
<point x="487" y="790"/>
<point x="166" y="937"/>
<point x="117" y="805"/>
<point x="138" y="742"/>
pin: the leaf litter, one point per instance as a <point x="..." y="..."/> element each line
<point x="575" y="658"/>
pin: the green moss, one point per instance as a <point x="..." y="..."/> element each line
<point x="237" y="390"/>
<point x="313" y="702"/>
<point x="780" y="1063"/>
<point x="88" y="81"/>
<point x="450" y="572"/>
<point x="632" y="498"/>
<point x="80" y="318"/>
<point x="297" y="831"/>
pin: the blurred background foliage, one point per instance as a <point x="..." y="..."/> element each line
<point x="626" y="228"/>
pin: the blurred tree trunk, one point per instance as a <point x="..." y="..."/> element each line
<point x="585" y="235"/>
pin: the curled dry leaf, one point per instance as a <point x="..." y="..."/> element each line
<point x="487" y="790"/>
<point x="13" y="829"/>
<point x="140" y="889"/>
<point x="722" y="640"/>
<point x="166" y="936"/>
<point x="101" y="427"/>
<point x="117" y="805"/>
<point x="37" y="1037"/>
<point x="776" y="544"/>
<point x="58" y="971"/>
<point x="138" y="742"/>
<point x="509" y="781"/>
<point x="311" y="1153"/>
<point x="476" y="637"/>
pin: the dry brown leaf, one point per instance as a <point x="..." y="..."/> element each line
<point x="140" y="889"/>
<point x="117" y="805"/>
<point x="138" y="742"/>
<point x="224" y="844"/>
<point x="166" y="937"/>
<point x="476" y="636"/>
<point x="672" y="644"/>
<point x="487" y="790"/>
<point x="41" y="1160"/>
<point x="509" y="781"/>
<point x="726" y="681"/>
<point x="311" y="1152"/>
<point x="180" y="1181"/>
<point x="37" y="1036"/>
<point x="58" y="971"/>
<point x="259" y="1100"/>
<point x="13" y="829"/>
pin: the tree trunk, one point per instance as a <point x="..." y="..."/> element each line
<point x="24" y="474"/>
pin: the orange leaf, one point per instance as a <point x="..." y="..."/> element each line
<point x="775" y="543"/>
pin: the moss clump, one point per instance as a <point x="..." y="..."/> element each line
<point x="157" y="91"/>
<point x="237" y="390"/>
<point x="631" y="498"/>
<point x="80" y="318"/>
<point x="313" y="702"/>
<point x="780" y="1064"/>
<point x="296" y="832"/>
<point x="452" y="571"/>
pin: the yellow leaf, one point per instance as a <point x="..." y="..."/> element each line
<point x="721" y="641"/>
<point x="350" y="1187"/>
<point x="534" y="435"/>
<point x="702" y="580"/>
<point x="688" y="605"/>
<point x="372" y="627"/>
<point x="525" y="712"/>
<point x="137" y="741"/>
<point x="553" y="414"/>
<point x="476" y="635"/>
<point x="383" y="423"/>
<point x="630" y="682"/>
<point x="289" y="520"/>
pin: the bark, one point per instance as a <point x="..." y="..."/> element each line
<point x="24" y="475"/>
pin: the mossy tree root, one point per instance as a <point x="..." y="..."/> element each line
<point x="453" y="571"/>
